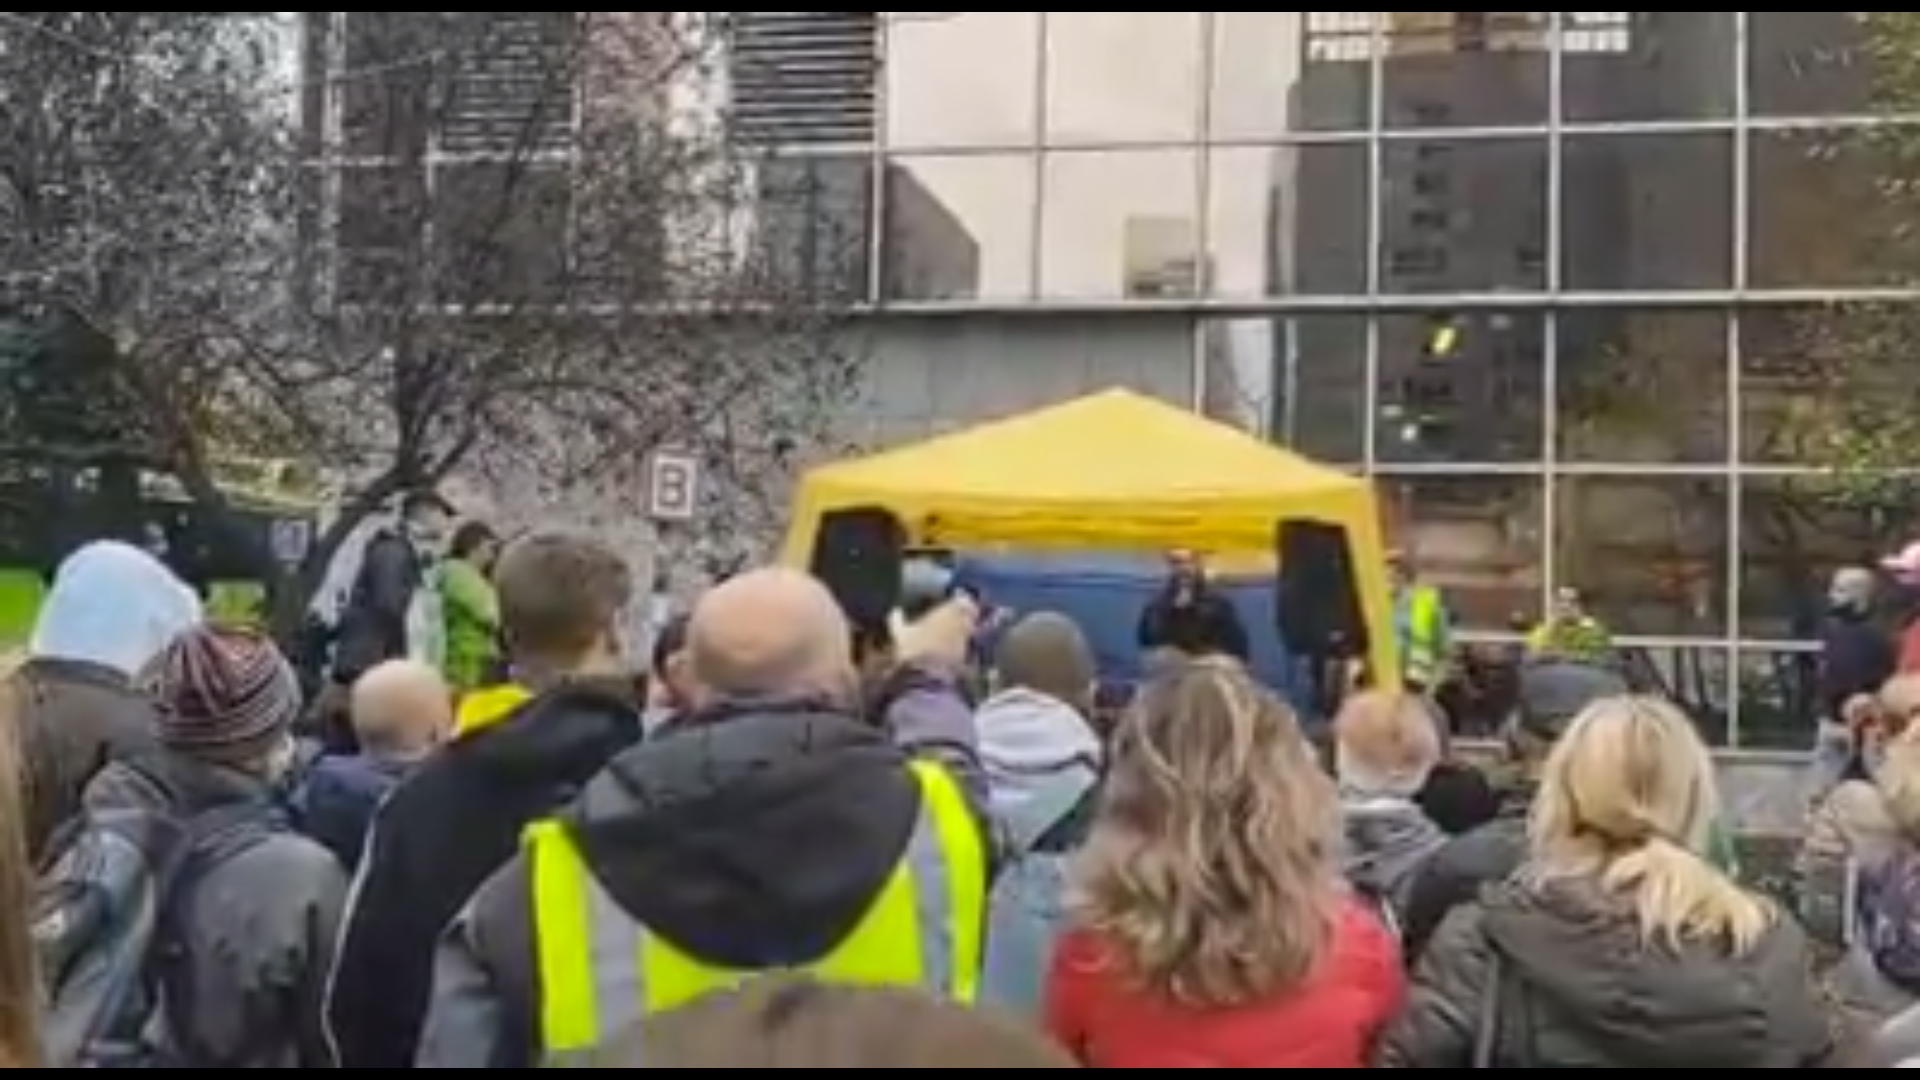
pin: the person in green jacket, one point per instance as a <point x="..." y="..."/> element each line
<point x="470" y="608"/>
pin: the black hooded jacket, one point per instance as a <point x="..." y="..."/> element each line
<point x="454" y="822"/>
<point x="755" y="841"/>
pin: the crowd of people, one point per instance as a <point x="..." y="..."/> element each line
<point x="770" y="850"/>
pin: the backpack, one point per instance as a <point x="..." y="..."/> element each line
<point x="107" y="924"/>
<point x="1887" y="914"/>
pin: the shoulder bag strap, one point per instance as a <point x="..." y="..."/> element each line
<point x="1486" y="1030"/>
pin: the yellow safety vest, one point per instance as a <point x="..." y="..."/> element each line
<point x="600" y="970"/>
<point x="1425" y="617"/>
<point x="486" y="708"/>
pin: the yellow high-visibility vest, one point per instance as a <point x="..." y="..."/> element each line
<point x="1426" y="620"/>
<point x="484" y="709"/>
<point x="600" y="970"/>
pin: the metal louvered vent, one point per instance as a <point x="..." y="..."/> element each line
<point x="803" y="77"/>
<point x="512" y="89"/>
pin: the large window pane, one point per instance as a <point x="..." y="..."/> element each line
<point x="1648" y="553"/>
<point x="1826" y="63"/>
<point x="1466" y="68"/>
<point x="1287" y="220"/>
<point x="1319" y="207"/>
<point x="1834" y="207"/>
<point x="1246" y="220"/>
<point x="1476" y="538"/>
<point x="1256" y="68"/>
<point x="500" y="232"/>
<point x="1462" y="387"/>
<point x="960" y="228"/>
<point x="939" y="95"/>
<point x="1241" y="359"/>
<point x="1643" y="385"/>
<point x="1121" y="223"/>
<point x="1321" y="387"/>
<point x="389" y="116"/>
<point x="1464" y="216"/>
<point x="1624" y="66"/>
<point x="1779" y="698"/>
<point x="812" y="226"/>
<point x="1795" y="532"/>
<point x="1124" y="76"/>
<point x="382" y="219"/>
<point x="1336" y="74"/>
<point x="1825" y="385"/>
<point x="1648" y="212"/>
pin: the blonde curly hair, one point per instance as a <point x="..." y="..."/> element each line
<point x="1211" y="875"/>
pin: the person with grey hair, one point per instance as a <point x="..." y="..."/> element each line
<point x="1044" y="761"/>
<point x="775" y="826"/>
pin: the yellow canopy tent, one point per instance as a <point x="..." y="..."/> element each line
<point x="1116" y="471"/>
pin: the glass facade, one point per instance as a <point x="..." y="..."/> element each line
<point x="1594" y="295"/>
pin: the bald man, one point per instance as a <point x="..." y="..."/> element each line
<point x="400" y="711"/>
<point x="767" y="829"/>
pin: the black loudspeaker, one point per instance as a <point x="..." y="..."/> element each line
<point x="1318" y="610"/>
<point x="858" y="556"/>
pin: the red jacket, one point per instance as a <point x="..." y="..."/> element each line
<point x="1328" y="1024"/>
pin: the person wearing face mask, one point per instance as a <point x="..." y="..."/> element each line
<point x="255" y="928"/>
<point x="573" y="706"/>
<point x="1856" y="659"/>
<point x="775" y="828"/>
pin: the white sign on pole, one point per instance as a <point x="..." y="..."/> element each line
<point x="290" y="539"/>
<point x="673" y="486"/>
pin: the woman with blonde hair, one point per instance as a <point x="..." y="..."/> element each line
<point x="1620" y="945"/>
<point x="1210" y="927"/>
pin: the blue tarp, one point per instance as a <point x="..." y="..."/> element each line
<point x="1106" y="594"/>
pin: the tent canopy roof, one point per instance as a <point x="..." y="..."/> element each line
<point x="1115" y="449"/>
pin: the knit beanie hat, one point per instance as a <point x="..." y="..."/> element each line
<point x="224" y="695"/>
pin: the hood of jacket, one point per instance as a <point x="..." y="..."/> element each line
<point x="527" y="739"/>
<point x="1580" y="957"/>
<point x="1388" y="841"/>
<point x="1042" y="759"/>
<point x="113" y="606"/>
<point x="755" y="837"/>
<point x="174" y="784"/>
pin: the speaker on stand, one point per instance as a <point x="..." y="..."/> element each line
<point x="1317" y="609"/>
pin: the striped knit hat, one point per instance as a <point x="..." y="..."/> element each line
<point x="224" y="695"/>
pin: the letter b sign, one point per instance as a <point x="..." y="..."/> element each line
<point x="673" y="487"/>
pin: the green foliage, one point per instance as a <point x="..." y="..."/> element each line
<point x="1860" y="409"/>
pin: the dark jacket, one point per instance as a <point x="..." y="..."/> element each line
<point x="1580" y="989"/>
<point x="755" y="839"/>
<point x="1856" y="658"/>
<point x="373" y="625"/>
<point x="1455" y="875"/>
<point x="260" y="928"/>
<point x="1206" y="622"/>
<point x="336" y="800"/>
<point x="442" y="834"/>
<point x="76" y="719"/>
